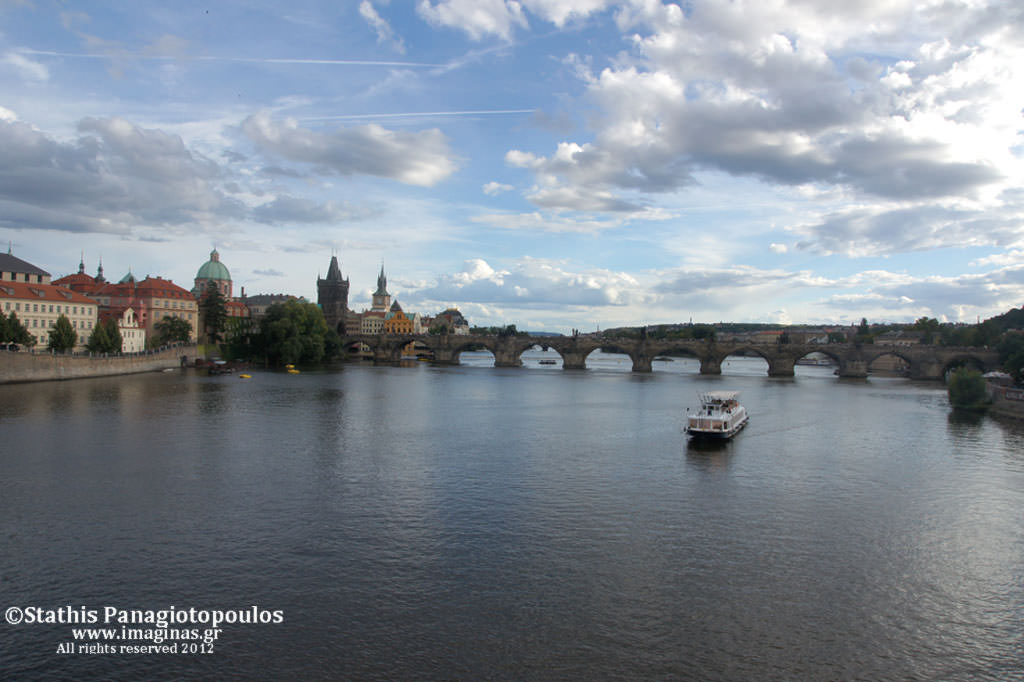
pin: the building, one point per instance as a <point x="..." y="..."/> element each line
<point x="372" y="322"/>
<point x="151" y="299"/>
<point x="133" y="335"/>
<point x="259" y="303"/>
<point x="396" y="321"/>
<point x="216" y="273"/>
<point x="332" y="297"/>
<point x="27" y="292"/>
<point x="381" y="297"/>
<point x="451" y="319"/>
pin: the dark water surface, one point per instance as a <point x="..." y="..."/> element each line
<point x="516" y="524"/>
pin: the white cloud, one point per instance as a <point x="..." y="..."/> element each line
<point x="531" y="282"/>
<point x="28" y="69"/>
<point x="478" y="18"/>
<point x="778" y="248"/>
<point x="385" y="34"/>
<point x="414" y="158"/>
<point x="793" y="95"/>
<point x="495" y="188"/>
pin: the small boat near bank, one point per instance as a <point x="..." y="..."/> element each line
<point x="720" y="416"/>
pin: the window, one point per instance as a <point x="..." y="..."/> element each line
<point x="51" y="308"/>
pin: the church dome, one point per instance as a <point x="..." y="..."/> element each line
<point x="213" y="269"/>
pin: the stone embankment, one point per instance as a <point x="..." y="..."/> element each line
<point x="1007" y="401"/>
<point x="24" y="366"/>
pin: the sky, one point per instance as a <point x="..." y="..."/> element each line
<point x="553" y="164"/>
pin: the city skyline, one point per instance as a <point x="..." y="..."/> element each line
<point x="554" y="165"/>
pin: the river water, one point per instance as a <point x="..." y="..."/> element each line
<point x="472" y="523"/>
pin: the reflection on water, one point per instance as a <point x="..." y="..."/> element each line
<point x="474" y="522"/>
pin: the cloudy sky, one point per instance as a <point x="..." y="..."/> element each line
<point x="553" y="164"/>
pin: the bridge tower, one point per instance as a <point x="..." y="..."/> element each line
<point x="332" y="296"/>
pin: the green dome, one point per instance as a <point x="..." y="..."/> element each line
<point x="214" y="269"/>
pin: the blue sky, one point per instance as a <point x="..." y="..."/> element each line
<point x="549" y="164"/>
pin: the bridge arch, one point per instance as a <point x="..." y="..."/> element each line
<point x="744" y="351"/>
<point x="959" y="360"/>
<point x="903" y="366"/>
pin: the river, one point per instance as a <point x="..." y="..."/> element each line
<point x="471" y="522"/>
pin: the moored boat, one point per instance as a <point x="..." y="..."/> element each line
<point x="720" y="416"/>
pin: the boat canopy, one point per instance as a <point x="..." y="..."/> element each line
<point x="719" y="396"/>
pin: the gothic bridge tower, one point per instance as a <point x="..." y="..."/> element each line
<point x="332" y="296"/>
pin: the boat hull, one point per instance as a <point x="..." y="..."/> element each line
<point x="717" y="434"/>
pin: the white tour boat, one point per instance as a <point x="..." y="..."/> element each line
<point x="720" y="416"/>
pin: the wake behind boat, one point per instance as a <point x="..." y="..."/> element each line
<point x="720" y="416"/>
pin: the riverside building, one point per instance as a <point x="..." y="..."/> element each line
<point x="26" y="291"/>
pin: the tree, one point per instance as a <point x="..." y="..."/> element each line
<point x="967" y="389"/>
<point x="99" y="340"/>
<point x="114" y="333"/>
<point x="1011" y="354"/>
<point x="836" y="337"/>
<point x="864" y="332"/>
<point x="16" y="332"/>
<point x="213" y="311"/>
<point x="105" y="337"/>
<point x="3" y="327"/>
<point x="63" y="336"/>
<point x="703" y="331"/>
<point x="293" y="332"/>
<point x="173" y="330"/>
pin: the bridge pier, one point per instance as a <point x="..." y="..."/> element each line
<point x="853" y="368"/>
<point x="710" y="365"/>
<point x="926" y="370"/>
<point x="781" y="367"/>
<point x="504" y="358"/>
<point x="445" y="356"/>
<point x="383" y="355"/>
<point x="642" y="363"/>
<point x="573" y="360"/>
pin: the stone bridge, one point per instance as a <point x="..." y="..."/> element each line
<point x="854" y="360"/>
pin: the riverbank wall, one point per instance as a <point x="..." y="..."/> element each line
<point x="1007" y="401"/>
<point x="24" y="366"/>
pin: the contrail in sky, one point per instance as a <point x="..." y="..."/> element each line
<point x="419" y="113"/>
<point x="251" y="60"/>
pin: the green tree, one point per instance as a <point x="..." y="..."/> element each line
<point x="105" y="337"/>
<point x="836" y="337"/>
<point x="99" y="341"/>
<point x="703" y="331"/>
<point x="63" y="336"/>
<point x="863" y="332"/>
<point x="239" y="335"/>
<point x="967" y="389"/>
<point x="3" y="327"/>
<point x="172" y="330"/>
<point x="293" y="332"/>
<point x="114" y="334"/>
<point x="214" y="313"/>
<point x="1011" y="354"/>
<point x="18" y="333"/>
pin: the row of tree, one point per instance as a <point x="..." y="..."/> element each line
<point x="293" y="332"/>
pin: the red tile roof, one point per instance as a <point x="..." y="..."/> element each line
<point x="41" y="292"/>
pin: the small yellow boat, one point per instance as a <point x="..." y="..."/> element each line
<point x="292" y="370"/>
<point x="245" y="376"/>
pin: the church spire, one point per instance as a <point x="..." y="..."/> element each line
<point x="382" y="283"/>
<point x="334" y="270"/>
